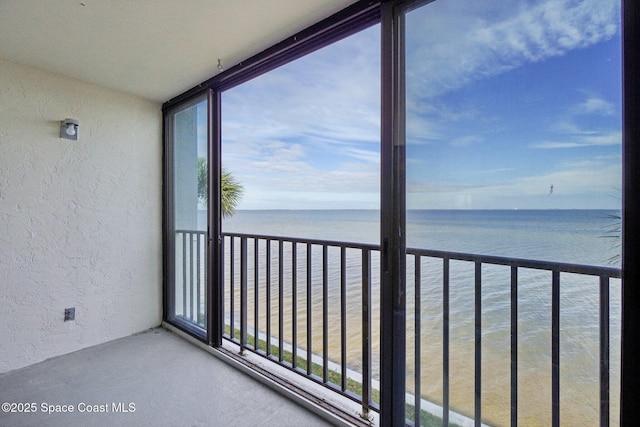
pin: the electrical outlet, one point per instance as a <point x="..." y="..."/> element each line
<point x="69" y="313"/>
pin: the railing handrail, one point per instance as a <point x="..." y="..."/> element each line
<point x="304" y="240"/>
<point x="185" y="231"/>
<point x="590" y="270"/>
<point x="562" y="267"/>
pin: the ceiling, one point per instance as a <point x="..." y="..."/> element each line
<point x="155" y="49"/>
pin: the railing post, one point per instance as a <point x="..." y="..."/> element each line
<point x="445" y="342"/>
<point x="256" y="296"/>
<point x="198" y="281"/>
<point x="309" y="310"/>
<point x="325" y="316"/>
<point x="366" y="332"/>
<point x="280" y="300"/>
<point x="243" y="294"/>
<point x="232" y="287"/>
<point x="294" y="306"/>
<point x="184" y="275"/>
<point x="417" y="319"/>
<point x="604" y="351"/>
<point x="191" y="278"/>
<point x="343" y="318"/>
<point x="268" y="293"/>
<point x="555" y="349"/>
<point x="514" y="346"/>
<point x="478" y="342"/>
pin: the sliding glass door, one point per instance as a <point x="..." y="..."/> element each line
<point x="466" y="265"/>
<point x="187" y="220"/>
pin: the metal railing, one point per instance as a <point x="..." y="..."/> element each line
<point x="191" y="279"/>
<point x="515" y="265"/>
<point x="303" y="303"/>
<point x="299" y="270"/>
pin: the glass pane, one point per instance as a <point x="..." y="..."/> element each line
<point x="305" y="138"/>
<point x="513" y="127"/>
<point x="303" y="141"/>
<point x="190" y="194"/>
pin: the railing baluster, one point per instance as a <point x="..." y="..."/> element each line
<point x="205" y="245"/>
<point x="268" y="293"/>
<point x="445" y="342"/>
<point x="478" y="345"/>
<point x="256" y="287"/>
<point x="555" y="349"/>
<point x="343" y="318"/>
<point x="604" y="351"/>
<point x="232" y="290"/>
<point x="280" y="299"/>
<point x="191" y="278"/>
<point x="417" y="326"/>
<point x="198" y="285"/>
<point x="243" y="294"/>
<point x="222" y="265"/>
<point x="514" y="346"/>
<point x="294" y="308"/>
<point x="366" y="332"/>
<point x="325" y="316"/>
<point x="184" y="275"/>
<point x="309" y="332"/>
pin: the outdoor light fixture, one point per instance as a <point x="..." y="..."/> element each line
<point x="69" y="129"/>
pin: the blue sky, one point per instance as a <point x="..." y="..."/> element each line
<point x="504" y="99"/>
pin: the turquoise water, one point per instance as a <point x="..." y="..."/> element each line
<point x="570" y="236"/>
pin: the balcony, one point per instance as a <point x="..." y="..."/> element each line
<point x="151" y="378"/>
<point x="505" y="353"/>
<point x="83" y="221"/>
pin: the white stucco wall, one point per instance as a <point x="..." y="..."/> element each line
<point x="80" y="221"/>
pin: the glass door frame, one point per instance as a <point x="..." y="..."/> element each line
<point x="348" y="21"/>
<point x="213" y="315"/>
<point x="392" y="211"/>
<point x="215" y="284"/>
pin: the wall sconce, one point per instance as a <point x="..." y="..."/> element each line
<point x="69" y="129"/>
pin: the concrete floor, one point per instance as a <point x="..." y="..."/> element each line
<point x="158" y="377"/>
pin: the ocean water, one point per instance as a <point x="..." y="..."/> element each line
<point x="569" y="236"/>
<point x="573" y="236"/>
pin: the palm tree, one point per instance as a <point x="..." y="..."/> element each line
<point x="231" y="193"/>
<point x="231" y="189"/>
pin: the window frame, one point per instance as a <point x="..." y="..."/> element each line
<point x="352" y="19"/>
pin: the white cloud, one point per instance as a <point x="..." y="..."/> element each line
<point x="585" y="184"/>
<point x="594" y="105"/>
<point x="309" y="132"/>
<point x="282" y="199"/>
<point x="459" y="48"/>
<point x="329" y="97"/>
<point x="583" y="140"/>
<point x="570" y="128"/>
<point x="466" y="141"/>
<point x="495" y="171"/>
<point x="282" y="171"/>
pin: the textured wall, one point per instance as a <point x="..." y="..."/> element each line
<point x="80" y="221"/>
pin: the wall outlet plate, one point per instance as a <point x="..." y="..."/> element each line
<point x="69" y="313"/>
